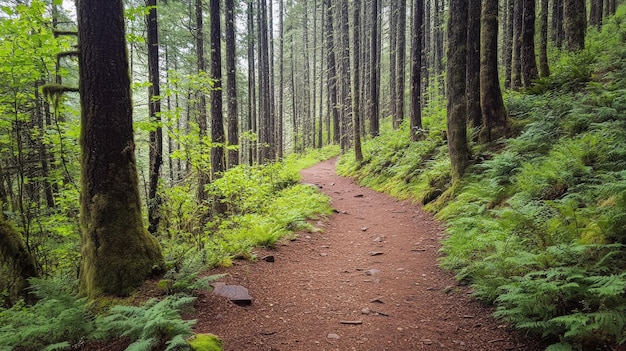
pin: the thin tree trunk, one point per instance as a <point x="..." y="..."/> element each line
<point x="416" y="68"/>
<point x="203" y="177"/>
<point x="344" y="54"/>
<point x="332" y="72"/>
<point x="557" y="23"/>
<point x="251" y="84"/>
<point x="401" y="62"/>
<point x="217" y="114"/>
<point x="474" y="115"/>
<point x="374" y="93"/>
<point x="231" y="83"/>
<point x="508" y="42"/>
<point x="156" y="136"/>
<point x="393" y="61"/>
<point x="516" y="63"/>
<point x="544" y="68"/>
<point x="574" y="24"/>
<point x="356" y="95"/>
<point x="281" y="78"/>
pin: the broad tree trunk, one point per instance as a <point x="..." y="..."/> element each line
<point x="557" y="23"/>
<point x="344" y="67"/>
<point x="457" y="99"/>
<point x="117" y="251"/>
<point x="574" y="24"/>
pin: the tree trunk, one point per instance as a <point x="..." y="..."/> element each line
<point x="251" y="84"/>
<point x="474" y="116"/>
<point x="332" y="72"/>
<point x="265" y="135"/>
<point x="527" y="57"/>
<point x="516" y="63"/>
<point x="400" y="63"/>
<point x="374" y="93"/>
<point x="457" y="99"/>
<point x="156" y="136"/>
<point x="231" y="83"/>
<point x="217" y="114"/>
<point x="117" y="251"/>
<point x="344" y="67"/>
<point x="393" y="50"/>
<point x="356" y="103"/>
<point x="544" y="69"/>
<point x="508" y="43"/>
<point x="494" y="117"/>
<point x="281" y="78"/>
<point x="574" y="24"/>
<point x="203" y="176"/>
<point x="557" y="23"/>
<point x="416" y="68"/>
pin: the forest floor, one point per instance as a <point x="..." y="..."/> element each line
<point x="368" y="280"/>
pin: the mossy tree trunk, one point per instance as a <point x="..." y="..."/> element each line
<point x="457" y="99"/>
<point x="374" y="92"/>
<point x="544" y="68"/>
<point x="516" y="63"/>
<point x="356" y="85"/>
<point x="19" y="262"/>
<point x="494" y="117"/>
<point x="117" y="251"/>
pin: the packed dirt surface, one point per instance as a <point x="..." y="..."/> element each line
<point x="368" y="280"/>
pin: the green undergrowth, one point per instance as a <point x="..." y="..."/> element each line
<point x="538" y="224"/>
<point x="263" y="204"/>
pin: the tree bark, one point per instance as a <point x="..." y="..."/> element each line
<point x="332" y="72"/>
<point x="217" y="114"/>
<point x="457" y="99"/>
<point x="252" y="100"/>
<point x="156" y="136"/>
<point x="117" y="251"/>
<point x="557" y="23"/>
<point x="508" y="43"/>
<point x="281" y="78"/>
<point x="400" y="63"/>
<point x="516" y="63"/>
<point x="374" y="93"/>
<point x="416" y="68"/>
<point x="356" y="103"/>
<point x="574" y="24"/>
<point x="344" y="67"/>
<point x="527" y="57"/>
<point x="544" y="68"/>
<point x="231" y="83"/>
<point x="203" y="177"/>
<point x="393" y="50"/>
<point x="19" y="261"/>
<point x="474" y="116"/>
<point x="494" y="117"/>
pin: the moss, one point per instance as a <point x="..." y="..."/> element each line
<point x="18" y="260"/>
<point x="205" y="342"/>
<point x="118" y="252"/>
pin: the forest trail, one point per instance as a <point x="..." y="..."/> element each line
<point x="367" y="281"/>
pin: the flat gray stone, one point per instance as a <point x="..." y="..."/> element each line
<point x="237" y="294"/>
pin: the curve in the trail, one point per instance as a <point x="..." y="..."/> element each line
<point x="368" y="280"/>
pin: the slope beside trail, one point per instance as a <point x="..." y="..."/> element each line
<point x="367" y="281"/>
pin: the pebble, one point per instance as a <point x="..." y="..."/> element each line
<point x="332" y="336"/>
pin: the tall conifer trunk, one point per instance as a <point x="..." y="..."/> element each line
<point x="117" y="251"/>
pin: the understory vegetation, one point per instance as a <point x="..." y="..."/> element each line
<point x="538" y="223"/>
<point x="264" y="203"/>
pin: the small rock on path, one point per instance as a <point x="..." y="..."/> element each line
<point x="301" y="300"/>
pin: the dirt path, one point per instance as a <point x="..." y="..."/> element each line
<point x="373" y="265"/>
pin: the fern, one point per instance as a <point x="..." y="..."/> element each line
<point x="148" y="325"/>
